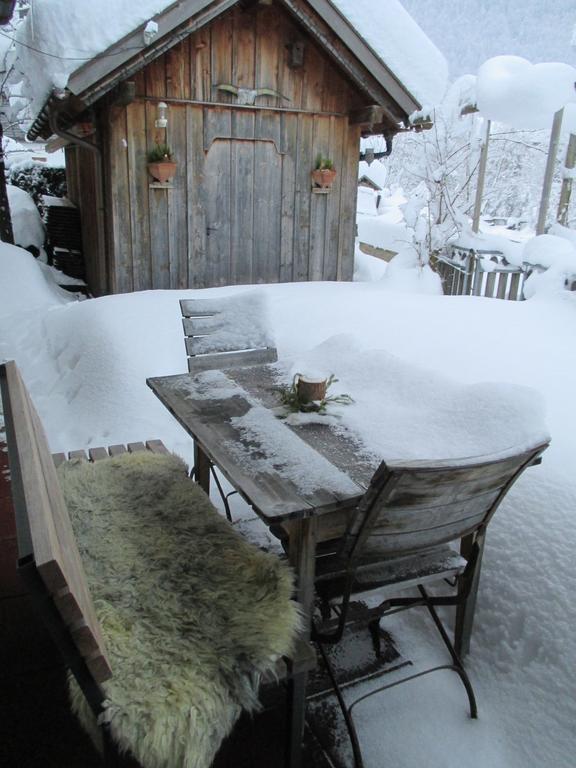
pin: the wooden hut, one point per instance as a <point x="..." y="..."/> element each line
<point x="254" y="91"/>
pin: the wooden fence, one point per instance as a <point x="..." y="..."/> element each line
<point x="467" y="272"/>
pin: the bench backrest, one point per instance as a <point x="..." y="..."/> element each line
<point x="416" y="506"/>
<point x="45" y="535"/>
<point x="229" y="331"/>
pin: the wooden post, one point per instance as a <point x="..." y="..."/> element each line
<point x="566" y="191"/>
<point x="481" y="179"/>
<point x="549" y="173"/>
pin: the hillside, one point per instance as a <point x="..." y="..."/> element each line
<point x="470" y="31"/>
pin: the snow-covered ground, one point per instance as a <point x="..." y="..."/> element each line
<point x="86" y="362"/>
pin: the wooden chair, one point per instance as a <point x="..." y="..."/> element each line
<point x="226" y="332"/>
<point x="51" y="566"/>
<point x="400" y="537"/>
<point x="222" y="333"/>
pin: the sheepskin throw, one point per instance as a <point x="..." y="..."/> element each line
<point x="191" y="613"/>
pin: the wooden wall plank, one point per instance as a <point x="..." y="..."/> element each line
<point x="319" y="203"/>
<point x="178" y="70"/>
<point x="217" y="196"/>
<point x="269" y="44"/>
<point x="303" y="197"/>
<point x="138" y="180"/>
<point x="120" y="203"/>
<point x="289" y="148"/>
<point x="156" y="77"/>
<point x="197" y="248"/>
<point x="267" y="199"/>
<point x="200" y="65"/>
<point x="221" y="57"/>
<point x="348" y="195"/>
<point x="178" y="201"/>
<point x="242" y="197"/>
<point x="244" y="47"/>
<point x="158" y="218"/>
<point x="338" y="130"/>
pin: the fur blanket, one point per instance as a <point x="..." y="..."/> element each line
<point x="191" y="613"/>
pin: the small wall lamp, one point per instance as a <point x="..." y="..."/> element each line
<point x="162" y="120"/>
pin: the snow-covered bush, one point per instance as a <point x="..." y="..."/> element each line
<point x="39" y="180"/>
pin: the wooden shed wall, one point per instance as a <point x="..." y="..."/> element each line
<point x="241" y="208"/>
<point x="85" y="191"/>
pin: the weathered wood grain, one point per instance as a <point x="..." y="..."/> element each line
<point x="138" y="180"/>
<point x="39" y="501"/>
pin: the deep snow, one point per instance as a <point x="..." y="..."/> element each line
<point x="86" y="363"/>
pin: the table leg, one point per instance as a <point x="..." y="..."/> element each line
<point x="201" y="468"/>
<point x="302" y="536"/>
<point x="302" y="553"/>
<point x="465" y="611"/>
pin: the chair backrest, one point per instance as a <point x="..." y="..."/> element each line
<point x="225" y="332"/>
<point x="46" y="540"/>
<point x="416" y="506"/>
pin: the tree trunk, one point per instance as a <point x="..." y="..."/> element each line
<point x="6" y="233"/>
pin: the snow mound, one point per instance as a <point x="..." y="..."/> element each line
<point x="550" y="251"/>
<point x="511" y="90"/>
<point x="24" y="285"/>
<point x="26" y="220"/>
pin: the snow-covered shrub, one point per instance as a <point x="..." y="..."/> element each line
<point x="39" y="180"/>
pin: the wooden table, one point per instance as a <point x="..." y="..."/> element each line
<point x="306" y="477"/>
<point x="219" y="410"/>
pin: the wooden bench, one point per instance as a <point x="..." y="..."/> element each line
<point x="54" y="571"/>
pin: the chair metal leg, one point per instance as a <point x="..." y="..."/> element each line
<point x="457" y="663"/>
<point x="346" y="711"/>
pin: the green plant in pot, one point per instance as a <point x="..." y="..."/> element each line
<point x="324" y="173"/>
<point x="161" y="166"/>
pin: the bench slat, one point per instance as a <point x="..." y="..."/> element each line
<point x="136" y="447"/>
<point x="117" y="450"/>
<point x="97" y="454"/>
<point x="59" y="458"/>
<point x="156" y="446"/>
<point x="82" y="455"/>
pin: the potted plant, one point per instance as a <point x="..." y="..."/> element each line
<point x="160" y="163"/>
<point x="324" y="173"/>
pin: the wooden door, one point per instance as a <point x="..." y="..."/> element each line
<point x="243" y="204"/>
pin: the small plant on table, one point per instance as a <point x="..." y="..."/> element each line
<point x="307" y="395"/>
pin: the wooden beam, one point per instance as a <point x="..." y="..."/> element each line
<point x="366" y="115"/>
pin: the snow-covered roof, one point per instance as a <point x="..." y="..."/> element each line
<point x="59" y="37"/>
<point x="375" y="171"/>
<point x="401" y="45"/>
